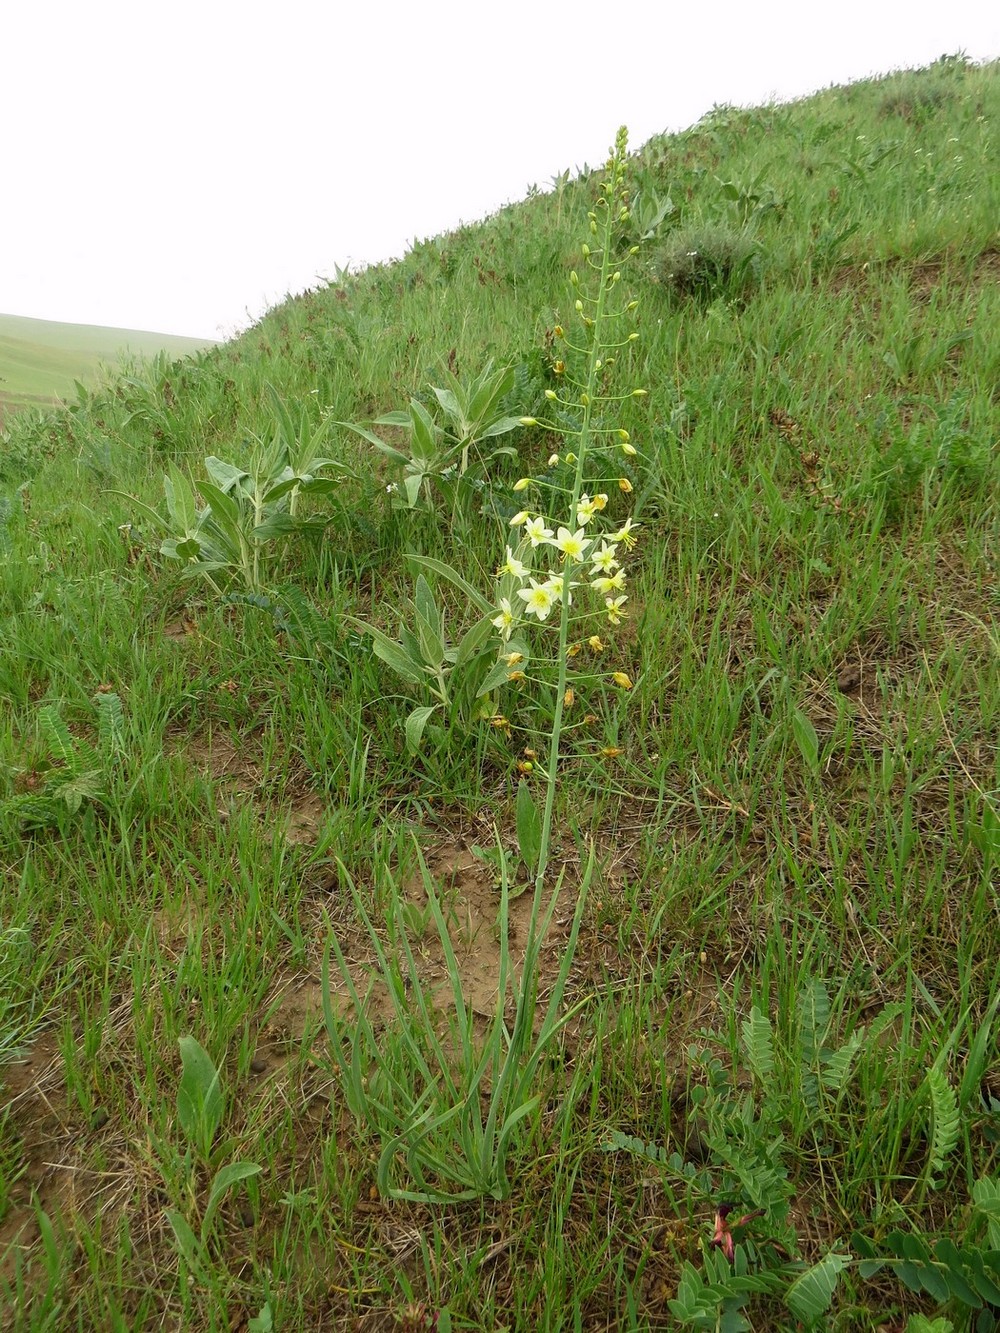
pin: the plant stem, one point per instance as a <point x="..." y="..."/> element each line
<point x="587" y="400"/>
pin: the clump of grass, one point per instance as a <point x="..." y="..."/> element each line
<point x="705" y="262"/>
<point x="913" y="104"/>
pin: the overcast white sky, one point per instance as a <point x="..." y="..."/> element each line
<point x="180" y="167"/>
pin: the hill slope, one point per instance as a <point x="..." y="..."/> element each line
<point x="262" y="757"/>
<point x="41" y="360"/>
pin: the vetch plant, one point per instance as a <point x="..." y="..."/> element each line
<point x="73" y="774"/>
<point x="451" y="1109"/>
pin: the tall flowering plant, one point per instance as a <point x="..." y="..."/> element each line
<point x="449" y="1109"/>
<point x="566" y="572"/>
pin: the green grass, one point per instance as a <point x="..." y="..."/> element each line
<point x="42" y="360"/>
<point x="788" y="954"/>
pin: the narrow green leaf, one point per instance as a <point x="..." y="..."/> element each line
<point x="415" y="724"/>
<point x="200" y="1102"/>
<point x="529" y="827"/>
<point x="806" y="739"/>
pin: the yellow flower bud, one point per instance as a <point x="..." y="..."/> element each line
<point x="629" y="450"/>
<point x="522" y="484"/>
<point x="585" y="251"/>
<point x="559" y="368"/>
<point x="593" y="229"/>
<point x="620" y="678"/>
<point x="640" y="393"/>
<point x="571" y="458"/>
<point x="585" y="399"/>
<point x="550" y="394"/>
<point x="579" y="305"/>
<point x="632" y="305"/>
<point x="633" y="337"/>
<point x="574" y="278"/>
<point x="611" y="751"/>
<point x="568" y="698"/>
<point x="623" y="434"/>
<point x="634" y="250"/>
<point x="528" y="421"/>
<point x="518" y="518"/>
<point x="559" y="331"/>
<point x="625" y="485"/>
<point x="616" y="277"/>
<point x="598" y="363"/>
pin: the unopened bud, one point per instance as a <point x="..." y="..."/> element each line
<point x="559" y="331"/>
<point x="623" y="434"/>
<point x="620" y="678"/>
<point x="585" y="399"/>
<point x="633" y="250"/>
<point x="579" y="305"/>
<point x="640" y="393"/>
<point x="629" y="450"/>
<point x="598" y="363"/>
<point x="518" y="518"/>
<point x="574" y="278"/>
<point x="550" y="394"/>
<point x="593" y="229"/>
<point x="632" y="305"/>
<point x="553" y="460"/>
<point x="571" y="458"/>
<point x="632" y="337"/>
<point x="585" y="251"/>
<point x="625" y="485"/>
<point x="616" y="277"/>
<point x="528" y="421"/>
<point x="522" y="484"/>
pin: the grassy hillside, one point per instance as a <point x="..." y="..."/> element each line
<point x="41" y="360"/>
<point x="383" y="948"/>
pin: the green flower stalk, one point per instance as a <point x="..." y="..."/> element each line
<point x="589" y="550"/>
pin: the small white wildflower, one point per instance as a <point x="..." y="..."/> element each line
<point x="391" y="488"/>
<point x="573" y="544"/>
<point x="624" y="534"/>
<point x="504" y="622"/>
<point x="586" y="508"/>
<point x="604" y="560"/>
<point x="537" y="531"/>
<point x="609" y="583"/>
<point x="514" y="566"/>
<point x="538" y="599"/>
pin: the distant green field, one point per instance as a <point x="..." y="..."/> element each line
<point x="41" y="359"/>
